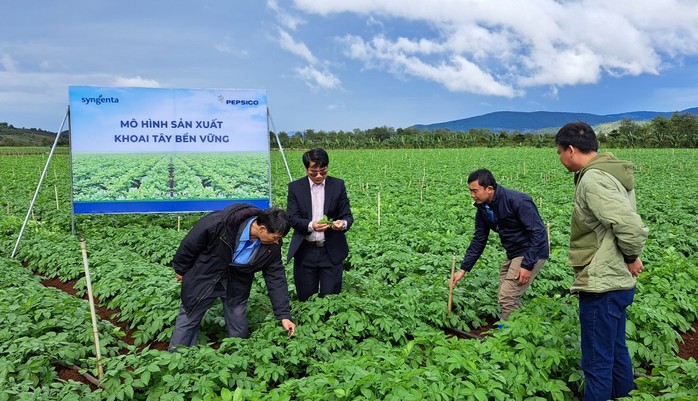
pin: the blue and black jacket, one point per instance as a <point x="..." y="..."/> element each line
<point x="519" y="225"/>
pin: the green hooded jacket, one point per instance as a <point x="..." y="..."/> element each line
<point x="606" y="229"/>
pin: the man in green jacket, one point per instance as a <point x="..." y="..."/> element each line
<point x="606" y="239"/>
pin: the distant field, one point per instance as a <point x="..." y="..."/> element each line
<point x="31" y="150"/>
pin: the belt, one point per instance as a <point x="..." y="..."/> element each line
<point x="318" y="244"/>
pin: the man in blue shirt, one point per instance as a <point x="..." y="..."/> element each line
<point x="514" y="216"/>
<point x="218" y="259"/>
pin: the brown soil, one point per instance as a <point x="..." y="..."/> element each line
<point x="104" y="314"/>
<point x="66" y="373"/>
<point x="689" y="348"/>
<point x="482" y="331"/>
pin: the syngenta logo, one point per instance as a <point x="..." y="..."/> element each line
<point x="99" y="100"/>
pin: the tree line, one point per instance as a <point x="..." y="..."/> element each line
<point x="678" y="131"/>
<point x="34" y="137"/>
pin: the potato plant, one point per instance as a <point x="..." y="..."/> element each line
<point x="382" y="337"/>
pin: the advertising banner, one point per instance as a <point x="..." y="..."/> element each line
<point x="153" y="150"/>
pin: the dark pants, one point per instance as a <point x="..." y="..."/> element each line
<point x="187" y="326"/>
<point x="314" y="273"/>
<point x="606" y="362"/>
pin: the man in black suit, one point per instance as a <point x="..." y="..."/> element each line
<point x="318" y="247"/>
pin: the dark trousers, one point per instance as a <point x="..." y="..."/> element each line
<point x="314" y="273"/>
<point x="608" y="370"/>
<point x="187" y="326"/>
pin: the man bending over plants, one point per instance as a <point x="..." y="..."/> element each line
<point x="606" y="240"/>
<point x="218" y="259"/>
<point x="515" y="217"/>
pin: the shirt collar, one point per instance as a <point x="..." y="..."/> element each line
<point x="245" y="236"/>
<point x="322" y="184"/>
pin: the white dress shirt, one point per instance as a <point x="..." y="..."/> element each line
<point x="317" y="197"/>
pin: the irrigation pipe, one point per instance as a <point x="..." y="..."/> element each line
<point x="462" y="333"/>
<point x="89" y="377"/>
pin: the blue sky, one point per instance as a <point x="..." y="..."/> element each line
<point x="340" y="64"/>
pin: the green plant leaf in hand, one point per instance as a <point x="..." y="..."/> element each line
<point x="325" y="220"/>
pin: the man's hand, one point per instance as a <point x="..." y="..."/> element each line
<point x="338" y="225"/>
<point x="456" y="277"/>
<point x="636" y="267"/>
<point x="289" y="326"/>
<point x="524" y="276"/>
<point x="179" y="277"/>
<point x="320" y="227"/>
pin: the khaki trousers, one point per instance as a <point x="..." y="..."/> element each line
<point x="510" y="291"/>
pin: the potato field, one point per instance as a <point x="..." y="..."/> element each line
<point x="383" y="337"/>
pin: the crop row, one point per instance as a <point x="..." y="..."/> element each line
<point x="117" y="176"/>
<point x="43" y="328"/>
<point x="382" y="337"/>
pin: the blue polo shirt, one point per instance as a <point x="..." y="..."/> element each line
<point x="245" y="248"/>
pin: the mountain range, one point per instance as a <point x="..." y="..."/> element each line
<point x="539" y="120"/>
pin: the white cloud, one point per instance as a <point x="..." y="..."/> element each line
<point x="227" y="49"/>
<point x="298" y="48"/>
<point x="317" y="79"/>
<point x="136" y="81"/>
<point x="456" y="74"/>
<point x="503" y="47"/>
<point x="7" y="63"/>
<point x="285" y="19"/>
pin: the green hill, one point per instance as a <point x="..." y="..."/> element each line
<point x="13" y="136"/>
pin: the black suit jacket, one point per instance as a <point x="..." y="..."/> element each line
<point x="300" y="211"/>
<point x="204" y="258"/>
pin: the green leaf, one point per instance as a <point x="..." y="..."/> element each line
<point x="145" y="377"/>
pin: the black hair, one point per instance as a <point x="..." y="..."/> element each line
<point x="578" y="134"/>
<point x="275" y="220"/>
<point x="317" y="156"/>
<point x="483" y="177"/>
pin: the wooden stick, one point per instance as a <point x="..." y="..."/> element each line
<point x="450" y="285"/>
<point x="379" y="209"/>
<point x="179" y="221"/>
<point x="547" y="228"/>
<point x="55" y="189"/>
<point x="93" y="314"/>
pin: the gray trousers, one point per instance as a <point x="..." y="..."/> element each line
<point x="510" y="291"/>
<point x="186" y="330"/>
